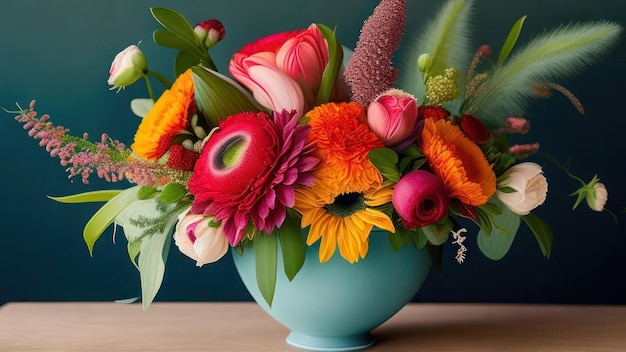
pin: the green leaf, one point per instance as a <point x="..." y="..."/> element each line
<point x="185" y="60"/>
<point x="133" y="249"/>
<point x="154" y="251"/>
<point x="335" y="58"/>
<point x="495" y="245"/>
<point x="106" y="214"/>
<point x="146" y="192"/>
<point x="542" y="233"/>
<point x="507" y="189"/>
<point x="168" y="39"/>
<point x="385" y="160"/>
<point x="218" y="96"/>
<point x="437" y="233"/>
<point x="265" y="254"/>
<point x="173" y="192"/>
<point x="176" y="23"/>
<point x="88" y="197"/>
<point x="511" y="39"/>
<point x="292" y="246"/>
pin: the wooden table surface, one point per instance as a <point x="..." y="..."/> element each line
<point x="246" y="327"/>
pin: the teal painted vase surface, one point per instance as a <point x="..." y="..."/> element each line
<point x="333" y="306"/>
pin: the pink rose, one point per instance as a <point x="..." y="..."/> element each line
<point x="283" y="70"/>
<point x="392" y="116"/>
<point x="420" y="199"/>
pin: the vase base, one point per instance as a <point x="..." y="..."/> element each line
<point x="331" y="343"/>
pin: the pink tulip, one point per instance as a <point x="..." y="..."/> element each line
<point x="392" y="116"/>
<point x="283" y="70"/>
<point x="420" y="199"/>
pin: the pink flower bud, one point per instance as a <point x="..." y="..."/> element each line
<point x="209" y="32"/>
<point x="392" y="116"/>
<point x="127" y="67"/>
<point x="517" y="125"/>
<point x="522" y="151"/>
<point x="420" y="199"/>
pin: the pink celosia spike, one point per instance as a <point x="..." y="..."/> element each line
<point x="370" y="71"/>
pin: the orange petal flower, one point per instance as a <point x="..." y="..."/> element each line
<point x="458" y="162"/>
<point x="338" y="206"/>
<point x="168" y="116"/>
<point x="343" y="141"/>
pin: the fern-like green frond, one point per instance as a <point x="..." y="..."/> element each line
<point x="549" y="57"/>
<point x="445" y="39"/>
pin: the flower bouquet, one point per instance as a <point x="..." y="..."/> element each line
<point x="306" y="136"/>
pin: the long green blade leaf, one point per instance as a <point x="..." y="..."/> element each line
<point x="154" y="251"/>
<point x="542" y="233"/>
<point x="292" y="246"/>
<point x="88" y="197"/>
<point x="511" y="39"/>
<point x="106" y="214"/>
<point x="335" y="58"/>
<point x="265" y="255"/>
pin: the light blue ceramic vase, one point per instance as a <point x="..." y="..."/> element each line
<point x="333" y="306"/>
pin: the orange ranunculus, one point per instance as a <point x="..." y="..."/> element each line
<point x="168" y="116"/>
<point x="458" y="162"/>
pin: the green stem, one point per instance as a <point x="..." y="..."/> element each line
<point x="164" y="81"/>
<point x="149" y="86"/>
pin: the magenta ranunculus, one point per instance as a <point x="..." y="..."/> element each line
<point x="392" y="116"/>
<point x="420" y="199"/>
<point x="247" y="171"/>
<point x="283" y="70"/>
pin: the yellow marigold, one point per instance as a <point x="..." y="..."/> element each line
<point x="458" y="162"/>
<point x="338" y="206"/>
<point x="168" y="116"/>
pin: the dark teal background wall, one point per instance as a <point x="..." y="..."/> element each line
<point x="59" y="53"/>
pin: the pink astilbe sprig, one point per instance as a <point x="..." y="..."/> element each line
<point x="370" y="71"/>
<point x="107" y="158"/>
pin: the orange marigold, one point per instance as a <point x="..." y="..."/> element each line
<point x="168" y="116"/>
<point x="458" y="162"/>
<point x="343" y="142"/>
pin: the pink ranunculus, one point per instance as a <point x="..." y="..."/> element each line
<point x="283" y="70"/>
<point x="248" y="169"/>
<point x="392" y="116"/>
<point x="420" y="199"/>
<point x="199" y="238"/>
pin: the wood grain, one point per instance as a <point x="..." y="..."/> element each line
<point x="246" y="327"/>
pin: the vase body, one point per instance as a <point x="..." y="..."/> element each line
<point x="333" y="306"/>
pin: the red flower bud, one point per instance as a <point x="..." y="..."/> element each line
<point x="474" y="129"/>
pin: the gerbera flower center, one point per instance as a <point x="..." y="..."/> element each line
<point x="230" y="152"/>
<point x="346" y="204"/>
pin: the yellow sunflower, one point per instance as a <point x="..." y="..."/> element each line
<point x="338" y="207"/>
<point x="168" y="116"/>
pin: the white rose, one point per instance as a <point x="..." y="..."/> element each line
<point x="529" y="185"/>
<point x="596" y="199"/>
<point x="199" y="239"/>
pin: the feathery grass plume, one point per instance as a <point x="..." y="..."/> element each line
<point x="555" y="55"/>
<point x="445" y="39"/>
<point x="369" y="71"/>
